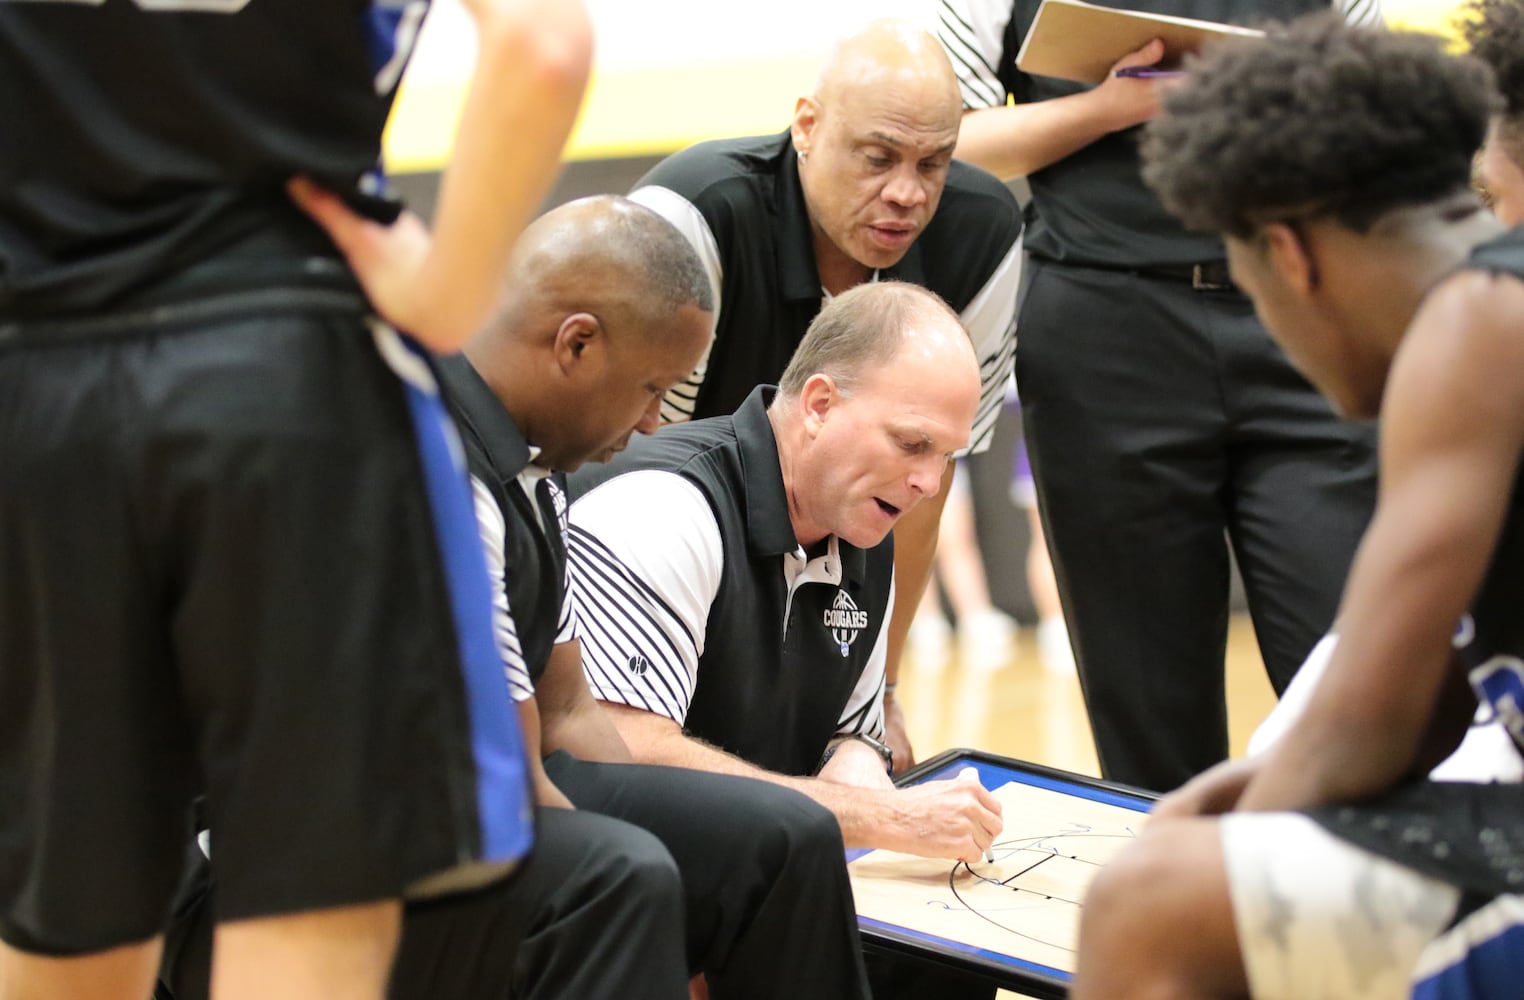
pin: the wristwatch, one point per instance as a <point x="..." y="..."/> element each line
<point x="884" y="752"/>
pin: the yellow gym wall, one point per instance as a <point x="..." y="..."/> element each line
<point x="672" y="72"/>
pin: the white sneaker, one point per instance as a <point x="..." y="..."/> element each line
<point x="986" y="641"/>
<point x="1053" y="646"/>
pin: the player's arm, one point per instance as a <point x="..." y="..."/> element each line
<point x="533" y="59"/>
<point x="915" y="548"/>
<point x="1452" y="430"/>
<point x="938" y="819"/>
<point x="1014" y="140"/>
<point x="545" y="791"/>
<point x="570" y="718"/>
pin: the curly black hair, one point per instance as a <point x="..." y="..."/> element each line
<point x="1317" y="118"/>
<point x="1494" y="30"/>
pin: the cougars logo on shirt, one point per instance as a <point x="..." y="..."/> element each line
<point x="845" y="620"/>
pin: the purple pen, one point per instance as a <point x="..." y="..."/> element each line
<point x="1149" y="73"/>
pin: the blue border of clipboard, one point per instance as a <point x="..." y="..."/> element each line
<point x="1009" y="971"/>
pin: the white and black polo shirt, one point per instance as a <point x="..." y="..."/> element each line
<point x="521" y="516"/>
<point x="740" y="203"/>
<point x="698" y="603"/>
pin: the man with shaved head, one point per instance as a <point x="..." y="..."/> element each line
<point x="861" y="187"/>
<point x="604" y="308"/>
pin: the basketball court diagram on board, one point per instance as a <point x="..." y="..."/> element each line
<point x="1022" y="909"/>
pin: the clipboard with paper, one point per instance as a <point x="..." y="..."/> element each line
<point x="1081" y="41"/>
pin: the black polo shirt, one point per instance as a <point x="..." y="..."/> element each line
<point x="697" y="602"/>
<point x="136" y="142"/>
<point x="521" y="515"/>
<point x="1091" y="207"/>
<point x="740" y="203"/>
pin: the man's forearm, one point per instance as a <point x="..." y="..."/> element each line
<point x="866" y="817"/>
<point x="939" y="819"/>
<point x="1020" y="139"/>
<point x="585" y="732"/>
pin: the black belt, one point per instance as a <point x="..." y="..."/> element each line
<point x="1208" y="276"/>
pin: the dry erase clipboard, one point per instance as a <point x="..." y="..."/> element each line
<point x="1082" y="41"/>
<point x="990" y="919"/>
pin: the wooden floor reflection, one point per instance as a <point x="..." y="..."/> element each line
<point x="1025" y="711"/>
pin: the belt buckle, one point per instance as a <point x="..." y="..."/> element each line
<point x="1201" y="283"/>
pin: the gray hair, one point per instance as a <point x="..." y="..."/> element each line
<point x="859" y="331"/>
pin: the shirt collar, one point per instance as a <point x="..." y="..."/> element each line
<point x="769" y="531"/>
<point x="482" y="415"/>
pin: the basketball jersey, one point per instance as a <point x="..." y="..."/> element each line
<point x="1490" y="638"/>
<point x="141" y="136"/>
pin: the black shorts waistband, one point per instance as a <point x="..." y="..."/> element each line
<point x="134" y="320"/>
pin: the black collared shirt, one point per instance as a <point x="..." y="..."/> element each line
<point x="697" y="602"/>
<point x="741" y="205"/>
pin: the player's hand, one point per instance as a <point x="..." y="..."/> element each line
<point x="1130" y="101"/>
<point x="955" y="818"/>
<point x="895" y="736"/>
<point x="386" y="260"/>
<point x="1211" y="793"/>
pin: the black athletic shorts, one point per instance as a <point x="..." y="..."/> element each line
<point x="238" y="557"/>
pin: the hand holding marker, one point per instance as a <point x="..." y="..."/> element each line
<point x="1150" y="73"/>
<point x="972" y="774"/>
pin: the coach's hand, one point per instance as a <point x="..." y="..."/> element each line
<point x="895" y="736"/>
<point x="386" y="260"/>
<point x="956" y="818"/>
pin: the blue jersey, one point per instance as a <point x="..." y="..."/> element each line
<point x="142" y="136"/>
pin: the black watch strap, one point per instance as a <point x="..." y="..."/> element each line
<point x="885" y="753"/>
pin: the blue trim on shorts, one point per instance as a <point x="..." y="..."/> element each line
<point x="1490" y="970"/>
<point x="502" y="778"/>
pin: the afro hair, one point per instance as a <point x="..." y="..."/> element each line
<point x="1317" y="118"/>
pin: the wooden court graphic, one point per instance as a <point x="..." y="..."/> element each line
<point x="1026" y="903"/>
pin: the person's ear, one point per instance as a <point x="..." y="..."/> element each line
<point x="816" y="401"/>
<point x="578" y="339"/>
<point x="1293" y="256"/>
<point x="806" y="120"/>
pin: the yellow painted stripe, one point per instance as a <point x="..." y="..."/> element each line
<point x="655" y="111"/>
<point x="634" y="113"/>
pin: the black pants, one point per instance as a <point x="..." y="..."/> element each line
<point x="769" y="905"/>
<point x="1163" y="425"/>
<point x="600" y="909"/>
<point x="595" y="911"/>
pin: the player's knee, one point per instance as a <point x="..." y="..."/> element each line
<point x="643" y="867"/>
<point x="795" y="825"/>
<point x="462" y="878"/>
<point x="1126" y="892"/>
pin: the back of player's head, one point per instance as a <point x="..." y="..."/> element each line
<point x="1494" y="30"/>
<point x="1317" y="119"/>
